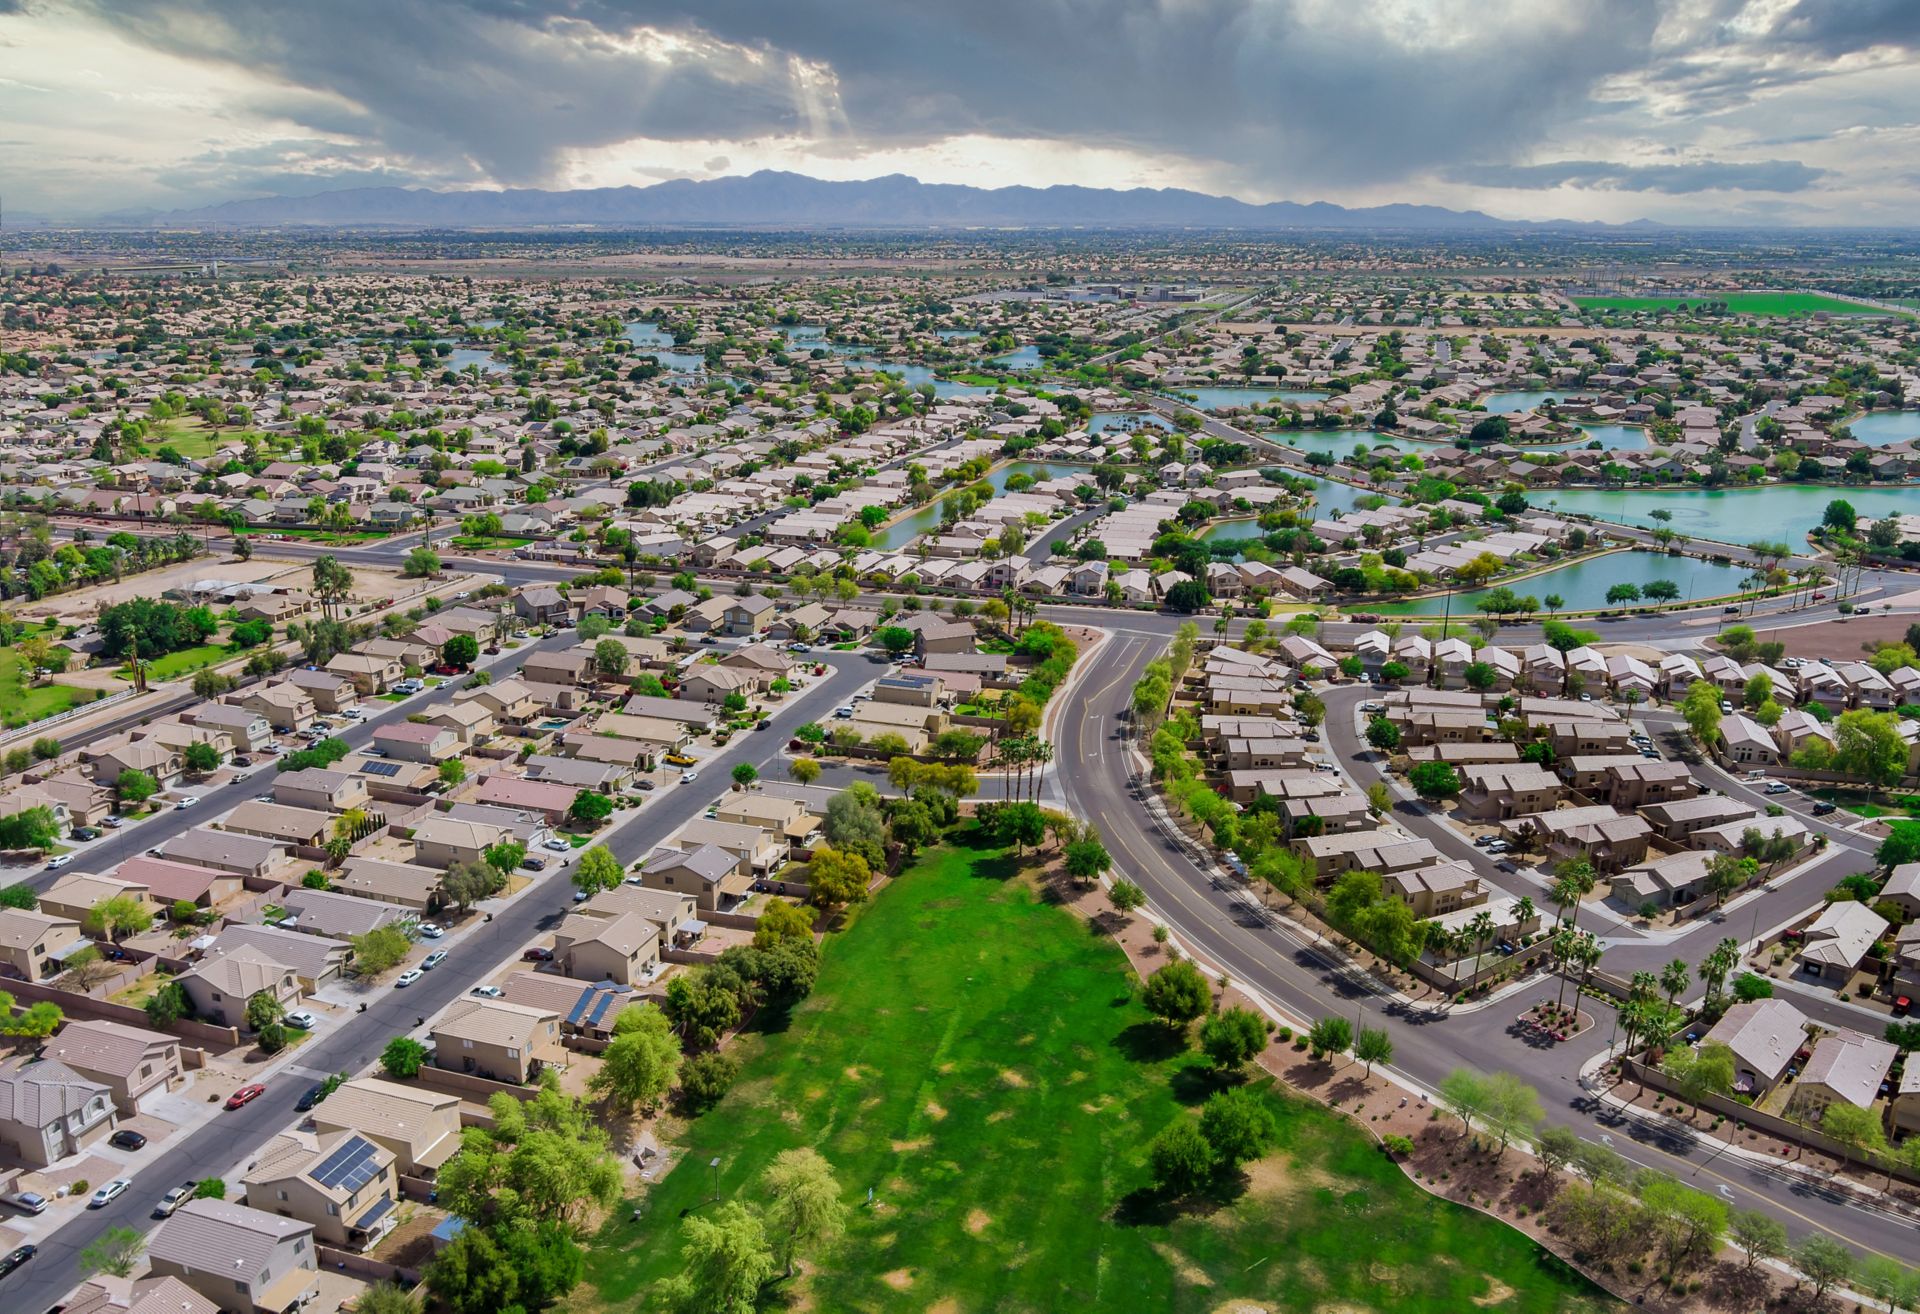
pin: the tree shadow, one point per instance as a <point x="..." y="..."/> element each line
<point x="1734" y="1287"/>
<point x="1195" y="1085"/>
<point x="1149" y="1206"/>
<point x="1000" y="867"/>
<point x="1106" y="925"/>
<point x="1150" y="1042"/>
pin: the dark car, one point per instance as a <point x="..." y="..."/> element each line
<point x="85" y="833"/>
<point x="537" y="955"/>
<point x="312" y="1097"/>
<point x="15" y="1258"/>
<point x="127" y="1140"/>
<point x="1825" y="809"/>
<point x="534" y="864"/>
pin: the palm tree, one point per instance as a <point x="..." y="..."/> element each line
<point x="1586" y="956"/>
<point x="1562" y="947"/>
<point x="1042" y="754"/>
<point x="1716" y="965"/>
<point x="1674" y="977"/>
<point x="1639" y="990"/>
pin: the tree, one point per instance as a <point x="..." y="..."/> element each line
<point x="896" y="639"/>
<point x="19" y="896"/>
<point x="1840" y="515"/>
<point x="836" y="878"/>
<point x="453" y="772"/>
<point x="136" y="787"/>
<point x="115" y="1252"/>
<point x="29" y="828"/>
<point x="1701" y="1072"/>
<point x="1238" y="1126"/>
<point x="1180" y="1157"/>
<point x="1126" y="897"/>
<point x="118" y="915"/>
<point x="781" y="921"/>
<point x="460" y="650"/>
<point x="1688" y="1224"/>
<point x="506" y="856"/>
<point x="744" y="774"/>
<point x="1556" y="1147"/>
<point x="167" y="1005"/>
<point x="1233" y="1038"/>
<point x="1758" y="1235"/>
<point x="855" y="823"/>
<point x="210" y="684"/>
<point x="642" y="1060"/>
<point x="543" y="1160"/>
<point x="1177" y="994"/>
<point x="210" y="1188"/>
<point x="422" y="563"/>
<point x="1463" y="1093"/>
<point x="378" y="950"/>
<point x="1825" y="1262"/>
<point x="1329" y="1036"/>
<point x="610" y="658"/>
<point x="1512" y="1107"/>
<point x="589" y="808"/>
<point x="727" y="1260"/>
<point x="1749" y="986"/>
<point x="383" y="1298"/>
<point x="803" y="770"/>
<point x="803" y="1202"/>
<point x="264" y="1009"/>
<point x="1869" y="745"/>
<point x="1701" y="708"/>
<point x="465" y="884"/>
<point x="332" y="582"/>
<point x="471" y="1275"/>
<point x="1856" y="1128"/>
<point x="1188" y="596"/>
<point x="1373" y="1045"/>
<point x="403" y="1058"/>
<point x="1088" y="859"/>
<point x="1434" y="780"/>
<point x="1022" y="825"/>
<point x="201" y="758"/>
<point x="597" y="870"/>
<point x="911" y="824"/>
<point x="1383" y="734"/>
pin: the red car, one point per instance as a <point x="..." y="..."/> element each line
<point x="245" y="1096"/>
<point x="537" y="955"/>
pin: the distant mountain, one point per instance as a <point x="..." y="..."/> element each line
<point x="770" y="199"/>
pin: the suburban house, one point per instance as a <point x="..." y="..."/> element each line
<point x="624" y="949"/>
<point x="337" y="916"/>
<point x="295" y="827"/>
<point x="342" y="1184"/>
<point x="34" y="945"/>
<point x="1834" y="944"/>
<point x="414" y="742"/>
<point x="76" y="895"/>
<point x="497" y="1040"/>
<point x="286" y="706"/>
<point x="408" y="885"/>
<point x="419" y="1127"/>
<point x="246" y="1261"/>
<point x="369" y="674"/>
<point x="219" y="988"/>
<point x="225" y="850"/>
<point x="320" y="790"/>
<point x="102" y="1294"/>
<point x="330" y="691"/>
<point x="1764" y="1035"/>
<point x="315" y="959"/>
<point x="442" y="840"/>
<point x="1844" y="1068"/>
<point x="586" y="1008"/>
<point x="246" y="730"/>
<point x="131" y="1062"/>
<point x="48" y="1111"/>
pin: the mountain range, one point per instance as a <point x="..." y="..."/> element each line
<point x="770" y="199"/>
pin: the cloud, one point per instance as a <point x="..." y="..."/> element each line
<point x="1670" y="179"/>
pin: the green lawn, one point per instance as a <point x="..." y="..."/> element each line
<point x="330" y="537"/>
<point x="1881" y="805"/>
<point x="487" y="542"/>
<point x="185" y="662"/>
<point x="21" y="703"/>
<point x="1767" y="304"/>
<point x="980" y="1060"/>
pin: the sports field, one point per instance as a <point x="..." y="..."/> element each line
<point x="1771" y="305"/>
<point x="980" y="1060"/>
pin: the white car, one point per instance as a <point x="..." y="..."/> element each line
<point x="302" y="1019"/>
<point x="688" y="777"/>
<point x="185" y="803"/>
<point x="557" y="845"/>
<point x="408" y="977"/>
<point x="487" y="992"/>
<point x="58" y="860"/>
<point x="429" y="931"/>
<point x="107" y="1194"/>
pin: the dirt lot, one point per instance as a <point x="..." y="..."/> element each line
<point x="82" y="605"/>
<point x="1838" y="638"/>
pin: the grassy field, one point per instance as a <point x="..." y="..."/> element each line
<point x="980" y="1061"/>
<point x="487" y="542"/>
<point x="1777" y="305"/>
<point x="185" y="662"/>
<point x="1883" y="805"/>
<point x="20" y="703"/>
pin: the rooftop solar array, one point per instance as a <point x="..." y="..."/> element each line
<point x="382" y="768"/>
<point x="353" y="1163"/>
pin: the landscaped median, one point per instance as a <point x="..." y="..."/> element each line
<point x="985" y="1066"/>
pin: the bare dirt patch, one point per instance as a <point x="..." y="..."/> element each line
<point x="935" y="1111"/>
<point x="1183" y="1267"/>
<point x="853" y="1073"/>
<point x="908" y="1147"/>
<point x="977" y="1221"/>
<point x="899" y="1279"/>
<point x="1498" y="1293"/>
<point x="1012" y="1078"/>
<point x="999" y="1114"/>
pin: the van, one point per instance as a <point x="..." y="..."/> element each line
<point x="1779" y="787"/>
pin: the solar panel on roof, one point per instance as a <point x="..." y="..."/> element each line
<point x="382" y="768"/>
<point x="350" y="1166"/>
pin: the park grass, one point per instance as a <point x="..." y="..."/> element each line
<point x="21" y="703"/>
<point x="1773" y="305"/>
<point x="1860" y="804"/>
<point x="980" y="1060"/>
<point x="176" y="664"/>
<point x="487" y="542"/>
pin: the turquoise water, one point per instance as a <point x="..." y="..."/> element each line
<point x="1114" y="421"/>
<point x="656" y="342"/>
<point x="1506" y="403"/>
<point x="1584" y="584"/>
<point x="1341" y="443"/>
<point x="1882" y="427"/>
<point x="1022" y="358"/>
<point x="952" y="335"/>
<point x="1615" y="437"/>
<point x="927" y="519"/>
<point x="1329" y="496"/>
<point x="461" y="357"/>
<point x="1218" y="398"/>
<point x="1775" y="513"/>
<point x="915" y="375"/>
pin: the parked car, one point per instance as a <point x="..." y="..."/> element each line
<point x="114" y="823"/>
<point x="312" y="1096"/>
<point x="487" y="992"/>
<point x="531" y="863"/>
<point x="407" y="977"/>
<point x="688" y="777"/>
<point x="301" y="1018"/>
<point x="16" y="1257"/>
<point x="107" y="1194"/>
<point x="1778" y="787"/>
<point x="430" y="931"/>
<point x="433" y="960"/>
<point x="59" y="860"/>
<point x="173" y="1199"/>
<point x="536" y="955"/>
<point x="1825" y="809"/>
<point x="843" y="712"/>
<point x="680" y="760"/>
<point x="31" y="1202"/>
<point x="245" y="1095"/>
<point x="127" y="1139"/>
<point x="85" y="833"/>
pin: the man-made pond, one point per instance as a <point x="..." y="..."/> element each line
<point x="1219" y="398"/>
<point x="1329" y="497"/>
<point x="1583" y="585"/>
<point x="658" y="343"/>
<point x="1506" y="403"/>
<point x="1614" y="437"/>
<point x="1773" y="513"/>
<point x="1021" y="358"/>
<point x="1883" y="427"/>
<point x="461" y="357"/>
<point x="1123" y="421"/>
<point x="926" y="520"/>
<point x="953" y="335"/>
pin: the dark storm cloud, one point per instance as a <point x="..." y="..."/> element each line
<point x="1267" y="90"/>
<point x="1671" y="179"/>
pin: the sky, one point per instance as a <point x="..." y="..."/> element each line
<point x="1738" y="112"/>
